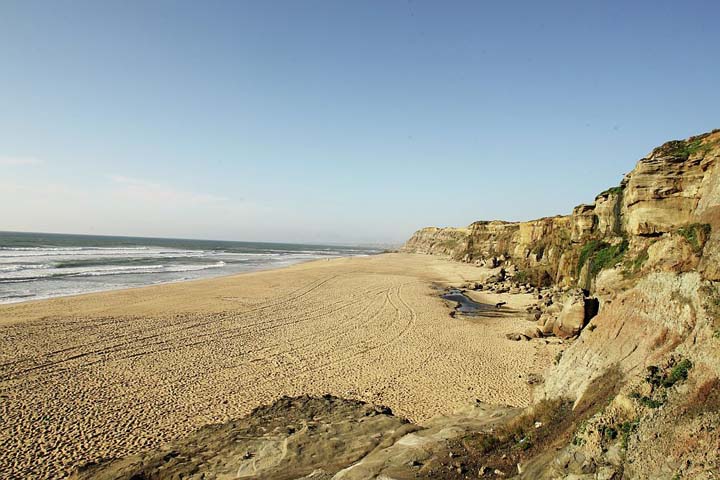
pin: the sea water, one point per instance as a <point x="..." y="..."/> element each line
<point x="39" y="265"/>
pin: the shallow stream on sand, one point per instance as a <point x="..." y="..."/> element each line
<point x="465" y="305"/>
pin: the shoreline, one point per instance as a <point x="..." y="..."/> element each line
<point x="173" y="282"/>
<point x="114" y="373"/>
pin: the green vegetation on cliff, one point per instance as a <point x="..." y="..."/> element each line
<point x="696" y="234"/>
<point x="612" y="191"/>
<point x="678" y="373"/>
<point x="636" y="264"/>
<point x="686" y="148"/>
<point x="600" y="255"/>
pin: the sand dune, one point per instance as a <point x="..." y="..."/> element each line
<point x="108" y="374"/>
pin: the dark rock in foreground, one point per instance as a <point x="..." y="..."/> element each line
<point x="315" y="438"/>
<point x="291" y="438"/>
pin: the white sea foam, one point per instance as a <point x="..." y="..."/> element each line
<point x="73" y="248"/>
<point x="6" y="252"/>
<point x="17" y="268"/>
<point x="46" y="271"/>
<point x="16" y="276"/>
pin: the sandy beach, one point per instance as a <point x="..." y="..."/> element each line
<point x="109" y="374"/>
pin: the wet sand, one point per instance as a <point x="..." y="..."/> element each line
<point x="109" y="374"/>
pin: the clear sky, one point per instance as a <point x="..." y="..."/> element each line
<point x="336" y="121"/>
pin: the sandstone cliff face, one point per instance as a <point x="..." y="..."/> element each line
<point x="649" y="364"/>
<point x="644" y="374"/>
<point x="677" y="185"/>
<point x="448" y="242"/>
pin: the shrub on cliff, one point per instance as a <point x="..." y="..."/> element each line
<point x="696" y="234"/>
<point x="636" y="264"/>
<point x="657" y="376"/>
<point x="678" y="373"/>
<point x="686" y="148"/>
<point x="600" y="255"/>
<point x="612" y="191"/>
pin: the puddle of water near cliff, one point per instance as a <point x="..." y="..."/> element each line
<point x="465" y="305"/>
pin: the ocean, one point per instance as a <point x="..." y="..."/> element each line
<point x="41" y="265"/>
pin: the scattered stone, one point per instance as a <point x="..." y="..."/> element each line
<point x="533" y="332"/>
<point x="605" y="473"/>
<point x="516" y="336"/>
<point x="534" y="379"/>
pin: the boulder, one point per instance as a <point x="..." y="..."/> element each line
<point x="533" y="332"/>
<point x="575" y="314"/>
<point x="546" y="323"/>
<point x="516" y="336"/>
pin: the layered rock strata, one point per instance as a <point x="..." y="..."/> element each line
<point x="676" y="186"/>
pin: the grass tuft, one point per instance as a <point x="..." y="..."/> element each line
<point x="678" y="373"/>
<point x="639" y="261"/>
<point x="612" y="191"/>
<point x="646" y="401"/>
<point x="601" y="255"/>
<point x="696" y="234"/>
<point x="626" y="429"/>
<point x="684" y="149"/>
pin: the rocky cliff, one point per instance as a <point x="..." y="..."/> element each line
<point x="643" y="374"/>
<point x="668" y="205"/>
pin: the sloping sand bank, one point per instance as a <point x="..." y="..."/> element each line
<point x="108" y="374"/>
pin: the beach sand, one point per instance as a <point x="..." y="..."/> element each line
<point x="109" y="374"/>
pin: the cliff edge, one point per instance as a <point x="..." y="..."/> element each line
<point x="668" y="204"/>
<point x="643" y="373"/>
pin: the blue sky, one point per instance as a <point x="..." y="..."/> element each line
<point x="336" y="121"/>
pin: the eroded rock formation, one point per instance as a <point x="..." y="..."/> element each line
<point x="673" y="192"/>
<point x="644" y="373"/>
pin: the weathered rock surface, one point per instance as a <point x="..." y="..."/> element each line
<point x="292" y="438"/>
<point x="448" y="242"/>
<point x="677" y="185"/>
<point x="644" y="373"/>
<point x="577" y="311"/>
<point x="309" y="438"/>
